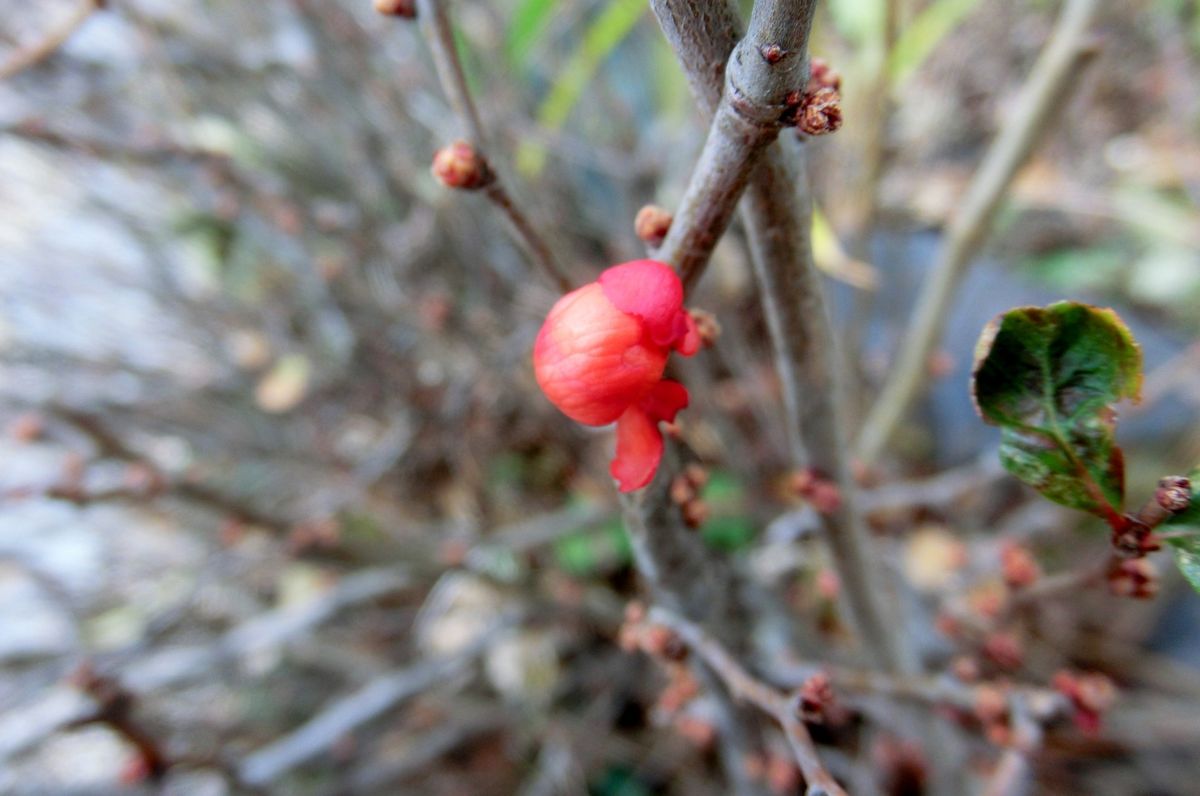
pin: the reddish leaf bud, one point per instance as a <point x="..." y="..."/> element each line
<point x="1018" y="565"/>
<point x="600" y="356"/>
<point x="695" y="473"/>
<point x="820" y="112"/>
<point x="459" y="165"/>
<point x="695" y="513"/>
<point x="706" y="326"/>
<point x="682" y="490"/>
<point x="1134" y="577"/>
<point x="1174" y="493"/>
<point x="660" y="641"/>
<point x="29" y="427"/>
<point x="822" y="75"/>
<point x="652" y="224"/>
<point x="1004" y="650"/>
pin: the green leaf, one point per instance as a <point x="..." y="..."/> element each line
<point x="592" y="552"/>
<point x="602" y="36"/>
<point x="529" y="19"/>
<point x="1049" y="377"/>
<point x="1187" y="558"/>
<point x="922" y="36"/>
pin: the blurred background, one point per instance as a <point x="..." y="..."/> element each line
<point x="279" y="494"/>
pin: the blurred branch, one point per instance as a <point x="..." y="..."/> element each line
<point x="744" y="686"/>
<point x="424" y="751"/>
<point x="346" y="714"/>
<point x="1014" y="772"/>
<point x="436" y="28"/>
<point x="28" y="57"/>
<point x="1056" y="72"/>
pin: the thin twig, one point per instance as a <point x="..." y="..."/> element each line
<point x="1055" y="73"/>
<point x="439" y="36"/>
<point x="28" y="57"/>
<point x="745" y="687"/>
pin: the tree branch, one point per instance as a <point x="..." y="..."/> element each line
<point x="745" y="687"/>
<point x="439" y="36"/>
<point x="777" y="215"/>
<point x="1055" y="73"/>
<point x="766" y="70"/>
<point x="28" y="57"/>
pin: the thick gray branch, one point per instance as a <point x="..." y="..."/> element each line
<point x="766" y="69"/>
<point x="777" y="215"/>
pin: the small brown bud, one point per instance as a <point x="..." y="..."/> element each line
<point x="682" y="490"/>
<point x="1018" y="566"/>
<point x="702" y="734"/>
<point x="820" y="112"/>
<point x="1174" y="493"/>
<point x="783" y="776"/>
<point x="829" y="585"/>
<point x="772" y="53"/>
<point x="397" y="8"/>
<point x="816" y="701"/>
<point x="991" y="705"/>
<point x="822" y="75"/>
<point x="695" y="513"/>
<point x="459" y="165"/>
<point x="1134" y="577"/>
<point x="821" y="493"/>
<point x="965" y="668"/>
<point x="662" y="642"/>
<point x="696" y="475"/>
<point x="706" y="326"/>
<point x="1133" y="539"/>
<point x="1091" y="695"/>
<point x="29" y="427"/>
<point x="1004" y="650"/>
<point x="652" y="224"/>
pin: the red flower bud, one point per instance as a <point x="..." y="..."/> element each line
<point x="600" y="356"/>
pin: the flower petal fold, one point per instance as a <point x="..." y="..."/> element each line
<point x="651" y="291"/>
<point x="639" y="450"/>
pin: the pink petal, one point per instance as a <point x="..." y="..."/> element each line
<point x="664" y="400"/>
<point x="651" y="291"/>
<point x="639" y="450"/>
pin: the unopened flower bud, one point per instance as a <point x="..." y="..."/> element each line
<point x="459" y="165"/>
<point x="397" y="8"/>
<point x="1004" y="650"/>
<point x="1018" y="566"/>
<point x="1174" y="493"/>
<point x="822" y="75"/>
<point x="820" y="112"/>
<point x="706" y="326"/>
<point x="695" y="513"/>
<point x="652" y="224"/>
<point x="1134" y="577"/>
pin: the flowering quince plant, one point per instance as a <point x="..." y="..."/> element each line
<point x="600" y="356"/>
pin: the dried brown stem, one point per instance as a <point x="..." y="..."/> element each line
<point x="1055" y="73"/>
